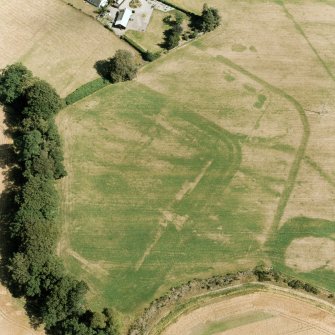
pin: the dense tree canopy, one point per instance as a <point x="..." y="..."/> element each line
<point x="210" y="18"/>
<point x="14" y="80"/>
<point x="41" y="100"/>
<point x="65" y="298"/>
<point x="123" y="66"/>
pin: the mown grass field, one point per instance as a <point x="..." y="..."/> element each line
<point x="202" y="163"/>
<point x="153" y="37"/>
<point x="57" y="42"/>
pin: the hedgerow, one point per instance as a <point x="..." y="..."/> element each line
<point x="85" y="90"/>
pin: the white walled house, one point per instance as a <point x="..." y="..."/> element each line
<point x="123" y="17"/>
<point x="98" y="3"/>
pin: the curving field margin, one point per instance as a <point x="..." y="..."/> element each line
<point x="255" y="310"/>
<point x="196" y="293"/>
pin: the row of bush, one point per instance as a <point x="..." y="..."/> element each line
<point x="86" y="90"/>
<point x="176" y="296"/>
<point x="53" y="297"/>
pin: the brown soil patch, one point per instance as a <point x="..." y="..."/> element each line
<point x="310" y="253"/>
<point x="289" y="315"/>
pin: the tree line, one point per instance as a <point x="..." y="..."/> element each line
<point x="53" y="297"/>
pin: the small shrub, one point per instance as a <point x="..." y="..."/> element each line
<point x="194" y="34"/>
<point x="261" y="273"/>
<point x="311" y="289"/>
<point x="295" y="283"/>
<point x="151" y="56"/>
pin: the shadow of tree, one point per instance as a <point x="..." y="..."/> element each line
<point x="103" y="68"/>
<point x="11" y="178"/>
<point x="11" y="175"/>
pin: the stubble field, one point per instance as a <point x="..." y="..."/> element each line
<point x="55" y="41"/>
<point x="217" y="157"/>
<point x="256" y="313"/>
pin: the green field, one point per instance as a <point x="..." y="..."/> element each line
<point x="207" y="162"/>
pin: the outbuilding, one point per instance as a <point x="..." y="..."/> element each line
<point x="123" y="17"/>
<point x="98" y="3"/>
<point x="118" y="3"/>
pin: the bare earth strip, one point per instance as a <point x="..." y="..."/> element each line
<point x="288" y="315"/>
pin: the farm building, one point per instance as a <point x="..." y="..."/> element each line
<point x="98" y="3"/>
<point x="123" y="18"/>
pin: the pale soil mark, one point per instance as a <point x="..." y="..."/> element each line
<point x="188" y="187"/>
<point x="89" y="266"/>
<point x="170" y="217"/>
<point x="310" y="253"/>
<point x="148" y="250"/>
<point x="167" y="217"/>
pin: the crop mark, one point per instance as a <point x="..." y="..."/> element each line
<point x="234" y="158"/>
<point x="188" y="187"/>
<point x="302" y="32"/>
<point x="148" y="250"/>
<point x="89" y="266"/>
<point x="321" y="172"/>
<point x="300" y="154"/>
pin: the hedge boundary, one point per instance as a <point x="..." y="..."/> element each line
<point x="162" y="311"/>
<point x="86" y="90"/>
<point x="181" y="9"/>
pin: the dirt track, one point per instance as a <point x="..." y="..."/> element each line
<point x="287" y="315"/>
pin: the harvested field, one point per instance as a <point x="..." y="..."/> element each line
<point x="13" y="320"/>
<point x="256" y="314"/>
<point x="57" y="42"/>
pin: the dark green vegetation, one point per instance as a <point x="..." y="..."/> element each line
<point x="122" y="66"/>
<point x="52" y="297"/>
<point x="85" y="90"/>
<point x="173" y="35"/>
<point x="210" y="19"/>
